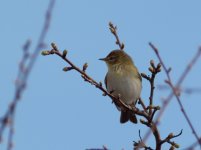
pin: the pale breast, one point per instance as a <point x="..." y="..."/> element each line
<point x="128" y="88"/>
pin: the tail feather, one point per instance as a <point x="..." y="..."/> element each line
<point x="126" y="116"/>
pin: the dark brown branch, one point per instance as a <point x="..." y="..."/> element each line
<point x="155" y="132"/>
<point x="169" y="82"/>
<point x="170" y="96"/>
<point x="154" y="70"/>
<point x="169" y="138"/>
<point x="140" y="144"/>
<point x="113" y="30"/>
<point x="87" y="78"/>
<point x="142" y="104"/>
<point x="153" y="113"/>
<point x="149" y="118"/>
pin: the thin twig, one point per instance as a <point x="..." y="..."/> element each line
<point x="154" y="70"/>
<point x="149" y="118"/>
<point x="170" y="137"/>
<point x="87" y="78"/>
<point x="170" y="96"/>
<point x="169" y="82"/>
<point x="142" y="104"/>
<point x="113" y="30"/>
<point x="186" y="90"/>
<point x="22" y="77"/>
<point x="117" y="100"/>
<point x="192" y="146"/>
<point x="140" y="144"/>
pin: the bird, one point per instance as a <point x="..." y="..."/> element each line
<point x="123" y="81"/>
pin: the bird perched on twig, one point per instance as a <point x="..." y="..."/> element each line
<point x="123" y="81"/>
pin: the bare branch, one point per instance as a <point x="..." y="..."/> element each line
<point x="113" y="30"/>
<point x="90" y="80"/>
<point x="7" y="120"/>
<point x="170" y="96"/>
<point x="192" y="146"/>
<point x="140" y="144"/>
<point x="170" y="137"/>
<point x="169" y="82"/>
<point x="154" y="70"/>
<point x="186" y="90"/>
<point x="117" y="100"/>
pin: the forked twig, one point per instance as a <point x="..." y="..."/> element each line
<point x="169" y="82"/>
<point x="113" y="30"/>
<point x="148" y="112"/>
<point x="8" y="119"/>
<point x="170" y="96"/>
<point x="148" y="117"/>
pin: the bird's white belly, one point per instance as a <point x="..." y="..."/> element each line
<point x="128" y="89"/>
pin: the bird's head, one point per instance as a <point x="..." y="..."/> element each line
<point x="117" y="57"/>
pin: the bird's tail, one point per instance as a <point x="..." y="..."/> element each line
<point x="126" y="116"/>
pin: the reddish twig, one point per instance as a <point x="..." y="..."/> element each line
<point x="87" y="78"/>
<point x="147" y="115"/>
<point x="149" y="118"/>
<point x="169" y="82"/>
<point x="170" y="137"/>
<point x="113" y="30"/>
<point x="154" y="70"/>
<point x="140" y="144"/>
<point x="23" y="74"/>
<point x="186" y="90"/>
<point x="170" y="96"/>
<point x="192" y="146"/>
<point x="142" y="104"/>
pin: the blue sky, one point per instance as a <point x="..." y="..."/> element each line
<point x="60" y="111"/>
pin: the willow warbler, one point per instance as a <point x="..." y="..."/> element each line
<point x="123" y="80"/>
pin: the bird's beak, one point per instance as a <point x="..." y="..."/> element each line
<point x="103" y="59"/>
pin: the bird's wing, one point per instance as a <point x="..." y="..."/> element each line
<point x="105" y="81"/>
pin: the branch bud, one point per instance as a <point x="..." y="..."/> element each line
<point x="171" y="135"/>
<point x="159" y="65"/>
<point x="144" y="75"/>
<point x="84" y="67"/>
<point x="142" y="121"/>
<point x="158" y="69"/>
<point x="152" y="63"/>
<point x="112" y="30"/>
<point x="158" y="108"/>
<point x="44" y="53"/>
<point x="64" y="53"/>
<point x="54" y="46"/>
<point x="172" y="148"/>
<point x="176" y="145"/>
<point x="151" y="69"/>
<point x="67" y="68"/>
<point x="110" y="24"/>
<point x="104" y="94"/>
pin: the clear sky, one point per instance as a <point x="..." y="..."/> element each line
<point x="60" y="111"/>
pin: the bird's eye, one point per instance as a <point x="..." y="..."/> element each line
<point x="112" y="58"/>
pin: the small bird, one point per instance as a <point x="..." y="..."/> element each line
<point x="123" y="80"/>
